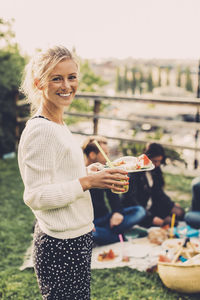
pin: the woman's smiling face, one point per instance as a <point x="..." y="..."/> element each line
<point x="62" y="84"/>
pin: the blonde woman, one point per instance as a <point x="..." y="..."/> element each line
<point x="56" y="181"/>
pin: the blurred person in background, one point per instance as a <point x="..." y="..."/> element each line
<point x="192" y="217"/>
<point x="56" y="180"/>
<point x="146" y="188"/>
<point x="108" y="223"/>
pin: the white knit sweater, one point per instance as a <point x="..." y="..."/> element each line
<point x="51" y="163"/>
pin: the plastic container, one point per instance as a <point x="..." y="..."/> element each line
<point x="185" y="231"/>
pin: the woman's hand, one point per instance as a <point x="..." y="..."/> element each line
<point x="116" y="219"/>
<point x="106" y="179"/>
<point x="158" y="221"/>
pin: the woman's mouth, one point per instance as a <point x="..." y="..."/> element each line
<point x="64" y="95"/>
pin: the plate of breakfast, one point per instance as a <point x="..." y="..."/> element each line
<point x="134" y="164"/>
<point x="107" y="256"/>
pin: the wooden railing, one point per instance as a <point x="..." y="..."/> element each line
<point x="95" y="116"/>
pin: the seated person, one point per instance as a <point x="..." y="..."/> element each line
<point x="108" y="225"/>
<point x="192" y="217"/>
<point x="146" y="189"/>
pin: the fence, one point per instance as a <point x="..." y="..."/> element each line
<point x="95" y="116"/>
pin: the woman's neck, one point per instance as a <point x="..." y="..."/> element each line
<point x="54" y="114"/>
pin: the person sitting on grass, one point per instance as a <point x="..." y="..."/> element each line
<point x="192" y="217"/>
<point x="147" y="189"/>
<point x="108" y="224"/>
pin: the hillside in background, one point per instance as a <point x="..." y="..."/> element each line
<point x="169" y="77"/>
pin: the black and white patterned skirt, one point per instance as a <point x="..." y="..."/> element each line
<point x="62" y="266"/>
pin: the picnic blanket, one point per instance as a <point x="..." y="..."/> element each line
<point x="142" y="255"/>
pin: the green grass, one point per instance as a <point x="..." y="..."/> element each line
<point x="16" y="221"/>
<point x="181" y="187"/>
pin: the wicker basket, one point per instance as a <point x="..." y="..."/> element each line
<point x="181" y="278"/>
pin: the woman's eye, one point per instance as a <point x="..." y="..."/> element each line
<point x="72" y="77"/>
<point x="56" y="79"/>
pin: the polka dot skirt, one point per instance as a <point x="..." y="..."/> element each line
<point x="63" y="266"/>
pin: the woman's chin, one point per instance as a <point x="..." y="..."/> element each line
<point x="67" y="103"/>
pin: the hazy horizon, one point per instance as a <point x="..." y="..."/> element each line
<point x="140" y="29"/>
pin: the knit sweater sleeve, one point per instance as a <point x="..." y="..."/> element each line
<point x="40" y="156"/>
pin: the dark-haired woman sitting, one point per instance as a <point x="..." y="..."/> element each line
<point x="147" y="189"/>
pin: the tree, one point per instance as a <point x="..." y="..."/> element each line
<point x="89" y="82"/>
<point x="168" y="76"/>
<point x="159" y="77"/>
<point x="178" y="77"/>
<point x="11" y="66"/>
<point x="126" y="81"/>
<point x="133" y="82"/>
<point x="141" y="81"/>
<point x="149" y="81"/>
<point x="6" y="33"/>
<point x="119" y="85"/>
<point x="188" y="83"/>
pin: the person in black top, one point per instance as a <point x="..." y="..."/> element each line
<point x="110" y="218"/>
<point x="147" y="189"/>
<point x="192" y="217"/>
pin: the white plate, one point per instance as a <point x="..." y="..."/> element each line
<point x="138" y="251"/>
<point x="132" y="160"/>
<point x="142" y="170"/>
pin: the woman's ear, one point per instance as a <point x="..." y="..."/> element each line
<point x="37" y="83"/>
<point x="92" y="156"/>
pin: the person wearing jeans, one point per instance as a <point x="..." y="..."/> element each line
<point x="110" y="218"/>
<point x="105" y="231"/>
<point x="192" y="217"/>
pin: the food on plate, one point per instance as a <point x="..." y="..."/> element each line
<point x="131" y="163"/>
<point x="119" y="163"/>
<point x="105" y="256"/>
<point x="125" y="258"/>
<point x="144" y="162"/>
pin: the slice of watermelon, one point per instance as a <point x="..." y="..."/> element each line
<point x="144" y="160"/>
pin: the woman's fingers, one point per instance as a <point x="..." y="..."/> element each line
<point x="117" y="176"/>
<point x="110" y="179"/>
<point x="118" y="182"/>
<point x="115" y="170"/>
<point x="95" y="167"/>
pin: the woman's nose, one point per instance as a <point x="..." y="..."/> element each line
<point x="65" y="84"/>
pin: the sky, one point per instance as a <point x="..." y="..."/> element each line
<point x="108" y="28"/>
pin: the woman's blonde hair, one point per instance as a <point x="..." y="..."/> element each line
<point x="39" y="68"/>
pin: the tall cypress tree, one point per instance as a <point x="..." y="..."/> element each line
<point x="141" y="81"/>
<point x="149" y="81"/>
<point x="178" y="76"/>
<point x="133" y="81"/>
<point x="126" y="81"/>
<point x="188" y="83"/>
<point x="159" y="77"/>
<point x="168" y="76"/>
<point x="118" y="83"/>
